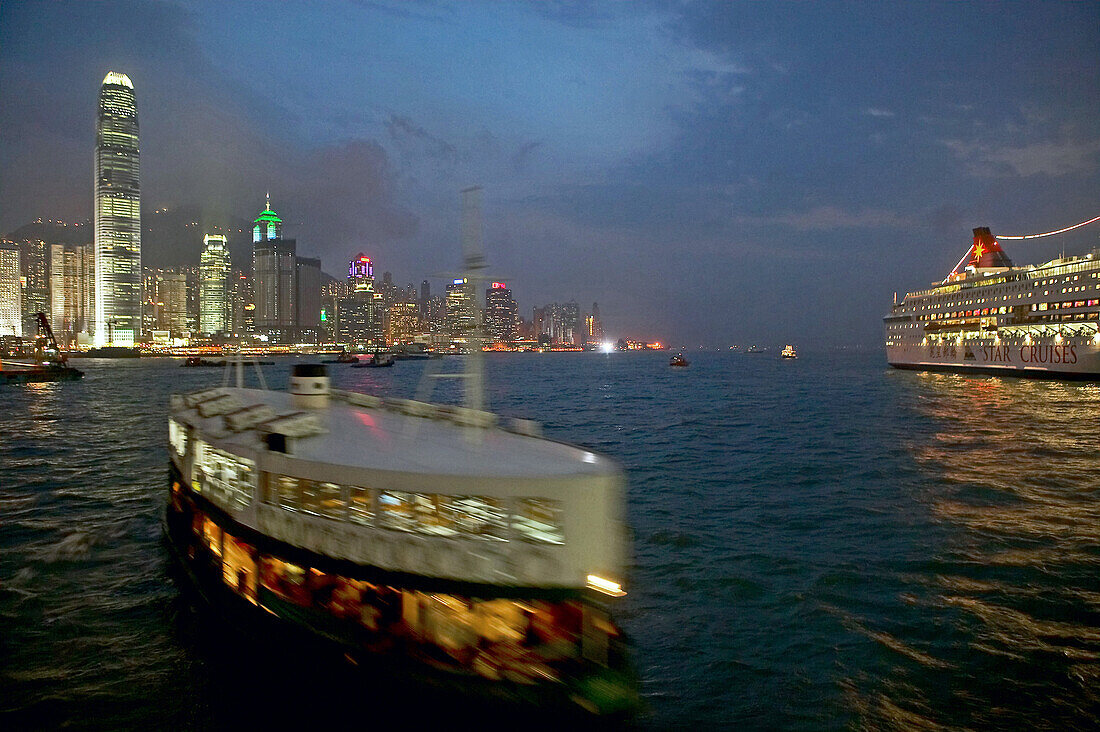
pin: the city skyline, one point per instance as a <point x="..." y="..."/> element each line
<point x="715" y="173"/>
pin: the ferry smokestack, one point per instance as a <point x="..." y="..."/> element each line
<point x="309" y="386"/>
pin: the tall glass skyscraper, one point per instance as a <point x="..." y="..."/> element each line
<point x="213" y="285"/>
<point x="117" y="215"/>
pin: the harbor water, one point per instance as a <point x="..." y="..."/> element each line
<point x="820" y="543"/>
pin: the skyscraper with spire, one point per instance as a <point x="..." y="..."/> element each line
<point x="274" y="275"/>
<point x="267" y="225"/>
<point x="117" y="215"/>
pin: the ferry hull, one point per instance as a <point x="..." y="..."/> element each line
<point x="610" y="694"/>
<point x="1040" y="360"/>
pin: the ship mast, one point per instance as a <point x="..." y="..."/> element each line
<point x="474" y="266"/>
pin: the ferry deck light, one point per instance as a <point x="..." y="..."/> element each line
<point x="605" y="586"/>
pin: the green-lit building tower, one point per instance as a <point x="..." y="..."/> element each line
<point x="274" y="276"/>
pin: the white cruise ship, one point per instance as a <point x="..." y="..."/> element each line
<point x="1040" y="320"/>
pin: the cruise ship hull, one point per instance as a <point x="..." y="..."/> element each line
<point x="1036" y="360"/>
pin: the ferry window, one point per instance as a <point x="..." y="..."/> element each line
<point x="212" y="536"/>
<point x="397" y="510"/>
<point x="230" y="479"/>
<point x="322" y="499"/>
<point x="481" y="517"/>
<point x="286" y="580"/>
<point x="238" y="568"/>
<point x="289" y="496"/>
<point x="434" y="514"/>
<point x="360" y="505"/>
<point x="539" y="520"/>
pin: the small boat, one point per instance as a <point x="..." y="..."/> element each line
<point x="679" y="360"/>
<point x="788" y="352"/>
<point x="194" y="362"/>
<point x="377" y="360"/>
<point x="199" y="362"/>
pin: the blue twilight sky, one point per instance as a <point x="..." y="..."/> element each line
<point x="708" y="172"/>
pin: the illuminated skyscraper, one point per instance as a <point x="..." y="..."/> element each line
<point x="72" y="291"/>
<point x="593" y="327"/>
<point x="11" y="309"/>
<point x="404" y="323"/>
<point x="274" y="275"/>
<point x="117" y="215"/>
<point x="34" y="268"/>
<point x="214" y="285"/>
<point x="500" y="314"/>
<point x="360" y="313"/>
<point x="463" y="316"/>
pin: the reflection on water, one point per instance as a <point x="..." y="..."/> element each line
<point x="1009" y="599"/>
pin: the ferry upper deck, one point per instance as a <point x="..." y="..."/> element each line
<point x="404" y="486"/>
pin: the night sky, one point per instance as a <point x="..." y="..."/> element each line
<point x="709" y="173"/>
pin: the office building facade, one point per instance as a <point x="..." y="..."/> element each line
<point x="72" y="292"/>
<point x="214" y="285"/>
<point x="501" y="314"/>
<point x="11" y="295"/>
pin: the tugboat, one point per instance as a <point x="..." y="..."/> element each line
<point x="437" y="542"/>
<point x="788" y="352"/>
<point x="49" y="363"/>
<point x="679" y="360"/>
<point x="377" y="360"/>
<point x="198" y="362"/>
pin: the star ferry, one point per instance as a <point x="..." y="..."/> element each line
<point x="1039" y="320"/>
